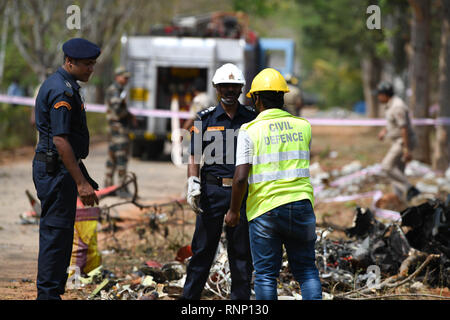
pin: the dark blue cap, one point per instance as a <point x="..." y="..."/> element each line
<point x="79" y="48"/>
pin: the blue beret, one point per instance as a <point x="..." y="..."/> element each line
<point x="79" y="48"/>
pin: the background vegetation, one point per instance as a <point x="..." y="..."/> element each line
<point x="339" y="59"/>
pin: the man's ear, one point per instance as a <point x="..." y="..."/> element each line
<point x="68" y="62"/>
<point x="71" y="61"/>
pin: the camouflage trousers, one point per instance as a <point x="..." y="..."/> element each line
<point x="118" y="153"/>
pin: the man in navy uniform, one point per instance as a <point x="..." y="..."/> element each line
<point x="58" y="173"/>
<point x="210" y="197"/>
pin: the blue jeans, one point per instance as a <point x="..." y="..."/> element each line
<point x="292" y="225"/>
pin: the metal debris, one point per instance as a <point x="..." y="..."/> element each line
<point x="344" y="264"/>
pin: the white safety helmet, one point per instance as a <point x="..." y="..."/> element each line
<point x="228" y="73"/>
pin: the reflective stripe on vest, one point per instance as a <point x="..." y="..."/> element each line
<point x="281" y="156"/>
<point x="285" y="174"/>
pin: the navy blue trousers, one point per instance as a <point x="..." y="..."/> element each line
<point x="58" y="196"/>
<point x="215" y="202"/>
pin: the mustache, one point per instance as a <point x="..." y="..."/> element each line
<point x="232" y="94"/>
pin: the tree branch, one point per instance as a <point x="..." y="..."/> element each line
<point x="387" y="283"/>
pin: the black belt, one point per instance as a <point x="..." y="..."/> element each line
<point x="41" y="156"/>
<point x="223" y="182"/>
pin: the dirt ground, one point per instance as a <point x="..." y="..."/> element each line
<point x="159" y="182"/>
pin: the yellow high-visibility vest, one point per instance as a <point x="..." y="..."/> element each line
<point x="280" y="163"/>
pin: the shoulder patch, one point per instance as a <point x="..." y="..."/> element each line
<point x="194" y="129"/>
<point x="206" y="111"/>
<point x="62" y="104"/>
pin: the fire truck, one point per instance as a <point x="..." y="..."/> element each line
<point x="165" y="63"/>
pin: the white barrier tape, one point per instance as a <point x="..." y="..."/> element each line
<point x="161" y="113"/>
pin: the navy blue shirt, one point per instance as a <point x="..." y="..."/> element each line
<point x="216" y="125"/>
<point x="60" y="111"/>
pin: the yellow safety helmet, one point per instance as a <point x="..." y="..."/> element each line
<point x="268" y="79"/>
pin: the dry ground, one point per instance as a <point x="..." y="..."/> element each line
<point x="159" y="182"/>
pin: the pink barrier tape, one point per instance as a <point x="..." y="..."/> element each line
<point x="369" y="194"/>
<point x="384" y="213"/>
<point x="346" y="122"/>
<point x="375" y="122"/>
<point x="376" y="169"/>
<point x="157" y="113"/>
<point x="367" y="171"/>
<point x="161" y="113"/>
<point x="387" y="214"/>
<point x="375" y="195"/>
<point x="100" y="108"/>
<point x="25" y="101"/>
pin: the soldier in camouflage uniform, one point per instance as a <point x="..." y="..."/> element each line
<point x="119" y="119"/>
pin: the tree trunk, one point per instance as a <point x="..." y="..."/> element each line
<point x="441" y="157"/>
<point x="3" y="41"/>
<point x="371" y="72"/>
<point x="420" y="67"/>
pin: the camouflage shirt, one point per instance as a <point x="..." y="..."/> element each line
<point x="116" y="103"/>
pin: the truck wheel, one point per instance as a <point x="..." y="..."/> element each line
<point x="136" y="149"/>
<point x="153" y="149"/>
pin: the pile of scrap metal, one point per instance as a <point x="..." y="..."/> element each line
<point x="421" y="238"/>
<point x="154" y="281"/>
<point x="151" y="281"/>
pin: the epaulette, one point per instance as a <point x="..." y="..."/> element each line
<point x="69" y="90"/>
<point x="250" y="108"/>
<point x="206" y="111"/>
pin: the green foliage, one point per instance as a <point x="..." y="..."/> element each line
<point x="261" y="8"/>
<point x="332" y="38"/>
<point x="97" y="124"/>
<point x="15" y="128"/>
<point x="16" y="67"/>
<point x="16" y="131"/>
<point x="336" y="82"/>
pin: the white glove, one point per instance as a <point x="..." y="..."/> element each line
<point x="193" y="194"/>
